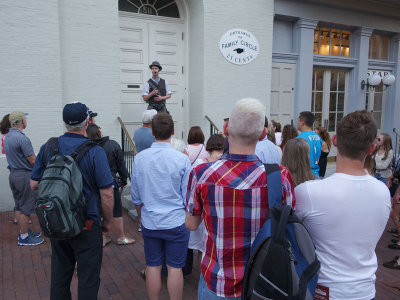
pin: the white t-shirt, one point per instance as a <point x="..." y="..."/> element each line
<point x="345" y="216"/>
<point x="278" y="138"/>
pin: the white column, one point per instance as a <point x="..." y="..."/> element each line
<point x="359" y="49"/>
<point x="392" y="108"/>
<point x="303" y="42"/>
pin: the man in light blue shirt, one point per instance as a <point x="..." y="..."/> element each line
<point x="267" y="151"/>
<point x="305" y="122"/>
<point x="160" y="176"/>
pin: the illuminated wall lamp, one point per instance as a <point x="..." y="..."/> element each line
<point x="372" y="82"/>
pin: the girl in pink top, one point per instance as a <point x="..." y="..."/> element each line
<point x="195" y="148"/>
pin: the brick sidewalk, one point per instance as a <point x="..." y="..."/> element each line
<point x="25" y="271"/>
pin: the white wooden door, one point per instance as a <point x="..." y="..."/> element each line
<point x="141" y="42"/>
<point x="282" y="92"/>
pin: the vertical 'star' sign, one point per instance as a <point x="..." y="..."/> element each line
<point x="239" y="46"/>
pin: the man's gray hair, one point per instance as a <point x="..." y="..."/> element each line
<point x="178" y="144"/>
<point x="75" y="127"/>
<point x="247" y="119"/>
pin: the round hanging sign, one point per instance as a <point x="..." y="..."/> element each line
<point x="239" y="46"/>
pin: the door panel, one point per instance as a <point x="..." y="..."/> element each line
<point x="282" y="92"/>
<point x="141" y="42"/>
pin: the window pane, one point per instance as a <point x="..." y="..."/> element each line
<point x="342" y="81"/>
<point x="345" y="42"/>
<point x="335" y="42"/>
<point x="340" y="103"/>
<point x="332" y="122"/>
<point x="318" y="101"/>
<point x="325" y="41"/>
<point x="316" y="40"/>
<point x="379" y="47"/>
<point x="319" y="83"/>
<point x="312" y="102"/>
<point x="377" y="116"/>
<point x="165" y="8"/>
<point x="339" y="116"/>
<point x="384" y="48"/>
<point x="332" y="102"/>
<point x="318" y="120"/>
<point x="334" y="80"/>
<point x="378" y="102"/>
<point x="129" y="6"/>
<point x="171" y="11"/>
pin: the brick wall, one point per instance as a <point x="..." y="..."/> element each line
<point x="224" y="83"/>
<point x="55" y="52"/>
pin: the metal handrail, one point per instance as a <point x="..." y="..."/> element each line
<point x="213" y="128"/>
<point x="128" y="147"/>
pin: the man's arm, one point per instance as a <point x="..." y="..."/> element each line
<point x="31" y="159"/>
<point x="34" y="184"/>
<point x="192" y="222"/>
<point x="194" y="207"/>
<point x="148" y="96"/>
<point x="107" y="205"/>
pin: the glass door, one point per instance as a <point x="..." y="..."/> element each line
<point x="374" y="103"/>
<point x="329" y="96"/>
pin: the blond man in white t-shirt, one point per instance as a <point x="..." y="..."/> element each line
<point x="346" y="214"/>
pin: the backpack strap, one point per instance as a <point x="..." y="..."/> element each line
<point x="50" y="150"/>
<point x="79" y="152"/>
<point x="274" y="184"/>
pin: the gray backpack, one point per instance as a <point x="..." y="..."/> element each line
<point x="61" y="206"/>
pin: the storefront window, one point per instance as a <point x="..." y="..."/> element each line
<point x="334" y="42"/>
<point x="379" y="47"/>
<point x="164" y="8"/>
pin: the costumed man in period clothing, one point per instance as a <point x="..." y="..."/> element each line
<point x="156" y="90"/>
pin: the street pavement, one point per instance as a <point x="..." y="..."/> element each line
<point x="25" y="270"/>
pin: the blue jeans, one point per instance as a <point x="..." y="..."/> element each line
<point x="380" y="178"/>
<point x="204" y="292"/>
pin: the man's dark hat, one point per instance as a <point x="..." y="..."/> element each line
<point x="75" y="113"/>
<point x="92" y="114"/>
<point x="156" y="64"/>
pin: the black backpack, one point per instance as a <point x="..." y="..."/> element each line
<point x="61" y="206"/>
<point x="282" y="263"/>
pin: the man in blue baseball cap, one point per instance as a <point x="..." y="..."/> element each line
<point x="86" y="248"/>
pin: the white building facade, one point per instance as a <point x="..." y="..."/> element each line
<point x="312" y="55"/>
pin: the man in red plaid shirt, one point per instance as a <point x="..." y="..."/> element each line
<point x="231" y="196"/>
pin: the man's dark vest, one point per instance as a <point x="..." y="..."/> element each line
<point x="161" y="92"/>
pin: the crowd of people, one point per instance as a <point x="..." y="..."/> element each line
<point x="212" y="196"/>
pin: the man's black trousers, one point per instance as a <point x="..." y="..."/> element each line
<point x="86" y="249"/>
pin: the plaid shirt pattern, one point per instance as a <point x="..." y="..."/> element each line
<point x="232" y="195"/>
